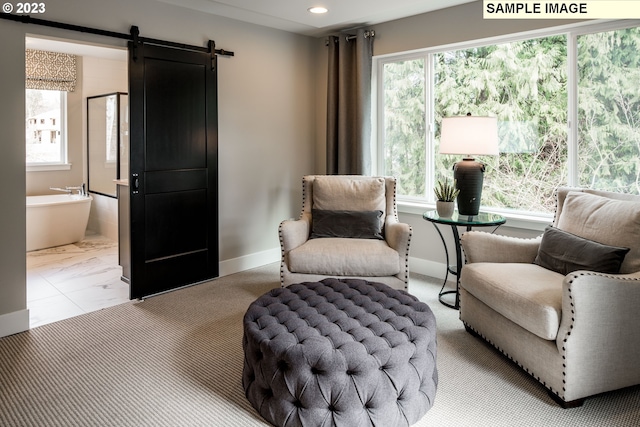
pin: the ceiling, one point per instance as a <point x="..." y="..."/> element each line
<point x="81" y="49"/>
<point x="287" y="15"/>
<point x="293" y="16"/>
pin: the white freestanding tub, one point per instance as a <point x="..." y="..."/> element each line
<point x="56" y="220"/>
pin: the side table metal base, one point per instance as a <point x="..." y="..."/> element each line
<point x="480" y="220"/>
<point x="454" y="270"/>
<point x="448" y="304"/>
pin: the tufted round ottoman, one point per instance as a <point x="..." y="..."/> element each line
<point x="340" y="353"/>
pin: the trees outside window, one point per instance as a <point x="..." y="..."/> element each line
<point x="45" y="139"/>
<point x="526" y="85"/>
<point x="405" y="125"/>
<point x="609" y="110"/>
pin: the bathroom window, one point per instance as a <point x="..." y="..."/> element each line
<point x="46" y="142"/>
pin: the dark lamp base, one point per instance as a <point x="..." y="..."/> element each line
<point x="469" y="175"/>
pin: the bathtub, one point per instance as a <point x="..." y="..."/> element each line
<point x="56" y="220"/>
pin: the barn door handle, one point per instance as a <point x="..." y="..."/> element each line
<point x="135" y="183"/>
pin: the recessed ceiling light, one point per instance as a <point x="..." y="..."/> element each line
<point x="318" y="9"/>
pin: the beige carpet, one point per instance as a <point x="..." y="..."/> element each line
<point x="176" y="360"/>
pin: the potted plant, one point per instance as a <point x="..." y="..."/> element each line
<point x="446" y="194"/>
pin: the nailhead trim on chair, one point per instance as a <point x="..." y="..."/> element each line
<point x="281" y="254"/>
<point x="406" y="264"/>
<point x="508" y="356"/>
<point x="570" y="282"/>
<point x="555" y="212"/>
<point x="564" y="340"/>
<point x="395" y="214"/>
<point x="304" y="197"/>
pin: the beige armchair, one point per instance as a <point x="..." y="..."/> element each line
<point x="348" y="228"/>
<point x="576" y="333"/>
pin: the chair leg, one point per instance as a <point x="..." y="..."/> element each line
<point x="564" y="404"/>
<point x="471" y="331"/>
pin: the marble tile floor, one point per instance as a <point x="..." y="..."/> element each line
<point x="74" y="279"/>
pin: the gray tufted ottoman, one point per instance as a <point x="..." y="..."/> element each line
<point x="340" y="353"/>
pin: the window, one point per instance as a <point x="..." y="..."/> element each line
<point x="45" y="114"/>
<point x="527" y="85"/>
<point x="608" y="131"/>
<point x="48" y="78"/>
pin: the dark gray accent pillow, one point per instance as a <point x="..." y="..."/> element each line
<point x="564" y="252"/>
<point x="351" y="224"/>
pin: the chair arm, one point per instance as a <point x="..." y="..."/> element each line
<point x="398" y="236"/>
<point x="294" y="233"/>
<point x="598" y="334"/>
<point x="480" y="246"/>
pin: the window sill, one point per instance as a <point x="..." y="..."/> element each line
<point x="48" y="167"/>
<point x="523" y="221"/>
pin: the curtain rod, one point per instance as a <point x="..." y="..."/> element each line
<point x="367" y="34"/>
<point x="349" y="37"/>
<point x="27" y="19"/>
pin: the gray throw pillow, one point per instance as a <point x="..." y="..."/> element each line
<point x="350" y="224"/>
<point x="564" y="252"/>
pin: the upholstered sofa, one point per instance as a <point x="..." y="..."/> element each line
<point x="539" y="303"/>
<point x="348" y="228"/>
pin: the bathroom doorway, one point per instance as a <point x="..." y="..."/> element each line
<point x="83" y="276"/>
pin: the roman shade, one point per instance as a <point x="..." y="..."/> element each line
<point x="50" y="70"/>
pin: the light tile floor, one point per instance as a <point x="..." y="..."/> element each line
<point x="70" y="280"/>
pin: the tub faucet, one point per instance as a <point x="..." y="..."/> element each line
<point x="80" y="188"/>
<point x="64" y="190"/>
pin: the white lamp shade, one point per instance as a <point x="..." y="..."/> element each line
<point x="470" y="135"/>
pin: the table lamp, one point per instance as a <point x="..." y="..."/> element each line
<point x="469" y="135"/>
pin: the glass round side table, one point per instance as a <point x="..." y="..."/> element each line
<point x="483" y="219"/>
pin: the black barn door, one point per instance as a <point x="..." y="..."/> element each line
<point x="173" y="168"/>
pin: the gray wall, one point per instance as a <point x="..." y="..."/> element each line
<point x="266" y="115"/>
<point x="13" y="295"/>
<point x="451" y="25"/>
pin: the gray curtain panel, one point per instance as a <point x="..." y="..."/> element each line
<point x="349" y="104"/>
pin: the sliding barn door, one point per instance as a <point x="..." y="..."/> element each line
<point x="173" y="168"/>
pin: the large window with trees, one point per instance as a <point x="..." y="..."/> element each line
<point x="567" y="105"/>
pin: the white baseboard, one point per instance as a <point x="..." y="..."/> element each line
<point x="429" y="268"/>
<point x="13" y="323"/>
<point x="247" y="262"/>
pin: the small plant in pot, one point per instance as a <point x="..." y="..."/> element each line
<point x="446" y="194"/>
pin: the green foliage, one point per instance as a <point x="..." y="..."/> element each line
<point x="524" y="84"/>
<point x="609" y="110"/>
<point x="446" y="191"/>
<point x="405" y="125"/>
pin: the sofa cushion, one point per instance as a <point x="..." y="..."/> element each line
<point x="608" y="221"/>
<point x="349" y="224"/>
<point x="334" y="192"/>
<point x="564" y="252"/>
<point x="526" y="294"/>
<point x="344" y="257"/>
